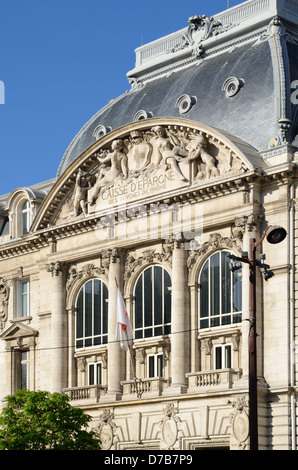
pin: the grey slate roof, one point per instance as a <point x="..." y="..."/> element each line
<point x="250" y="114"/>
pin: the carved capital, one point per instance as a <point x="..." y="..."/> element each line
<point x="57" y="269"/>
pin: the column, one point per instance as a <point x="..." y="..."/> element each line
<point x="71" y="348"/>
<point x="179" y="317"/>
<point x="115" y="353"/>
<point x="58" y="327"/>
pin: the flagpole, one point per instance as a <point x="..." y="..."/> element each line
<point x="139" y="393"/>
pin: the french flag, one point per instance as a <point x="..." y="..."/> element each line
<point x="124" y="333"/>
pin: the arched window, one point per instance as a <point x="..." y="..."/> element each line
<point x="92" y="315"/>
<point x="152" y="303"/>
<point x="220" y="292"/>
<point x="25" y="218"/>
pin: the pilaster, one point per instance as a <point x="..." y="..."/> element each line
<point x="178" y="336"/>
<point x="58" y="327"/>
<point x="115" y="353"/>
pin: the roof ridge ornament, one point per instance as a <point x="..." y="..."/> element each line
<point x="201" y="27"/>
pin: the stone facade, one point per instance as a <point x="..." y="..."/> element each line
<point x="165" y="192"/>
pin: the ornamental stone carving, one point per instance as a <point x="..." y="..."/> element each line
<point x="201" y="28"/>
<point x="87" y="271"/>
<point x="240" y="424"/>
<point x="169" y="426"/>
<point x="4" y="296"/>
<point x="106" y="429"/>
<point x="146" y="163"/>
<point x="57" y="268"/>
<point x="215" y="242"/>
<point x="148" y="257"/>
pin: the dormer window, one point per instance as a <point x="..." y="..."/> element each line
<point x="21" y="207"/>
<point x="25" y="218"/>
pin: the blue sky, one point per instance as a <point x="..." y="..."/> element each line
<point x="63" y="60"/>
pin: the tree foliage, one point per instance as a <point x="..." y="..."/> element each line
<point x="44" y="421"/>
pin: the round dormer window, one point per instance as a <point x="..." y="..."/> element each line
<point x="232" y="86"/>
<point x="185" y="103"/>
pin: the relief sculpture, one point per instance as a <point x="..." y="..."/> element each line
<point x="140" y="152"/>
<point x="206" y="163"/>
<point x="112" y="165"/>
<point x="146" y="163"/>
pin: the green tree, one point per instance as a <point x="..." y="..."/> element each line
<point x="44" y="421"/>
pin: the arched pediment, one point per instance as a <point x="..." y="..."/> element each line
<point x="145" y="160"/>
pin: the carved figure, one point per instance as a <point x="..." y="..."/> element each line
<point x="198" y="151"/>
<point x="83" y="183"/>
<point x="107" y="174"/>
<point x="170" y="152"/>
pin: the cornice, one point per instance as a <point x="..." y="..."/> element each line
<point x="282" y="174"/>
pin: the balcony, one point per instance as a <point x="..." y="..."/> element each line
<point x="85" y="395"/>
<point x="213" y="380"/>
<point x="144" y="388"/>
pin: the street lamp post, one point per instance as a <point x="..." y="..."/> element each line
<point x="274" y="235"/>
<point x="253" y="397"/>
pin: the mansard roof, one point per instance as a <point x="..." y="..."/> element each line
<point x="232" y="72"/>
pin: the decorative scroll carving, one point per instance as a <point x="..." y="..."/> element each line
<point x="215" y="242"/>
<point x="87" y="271"/>
<point x="4" y="296"/>
<point x="148" y="257"/>
<point x="201" y="28"/>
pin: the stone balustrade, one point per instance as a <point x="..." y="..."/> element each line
<point x="223" y="378"/>
<point x="90" y="394"/>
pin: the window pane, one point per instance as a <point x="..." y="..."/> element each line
<point x="151" y="366"/>
<point x="214" y="284"/>
<point x="25" y="218"/>
<point x="139" y="303"/>
<point x="99" y="373"/>
<point x="158" y="288"/>
<point x="80" y="315"/>
<point x="97" y="307"/>
<point x="148" y="296"/>
<point x="204" y="291"/>
<point x="167" y="298"/>
<point x="218" y="358"/>
<point x="88" y="309"/>
<point x="225" y="282"/>
<point x="24" y="370"/>
<point x="228" y="357"/>
<point x="237" y="291"/>
<point x="105" y="297"/>
<point x="91" y="374"/>
<point x="160" y="365"/>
